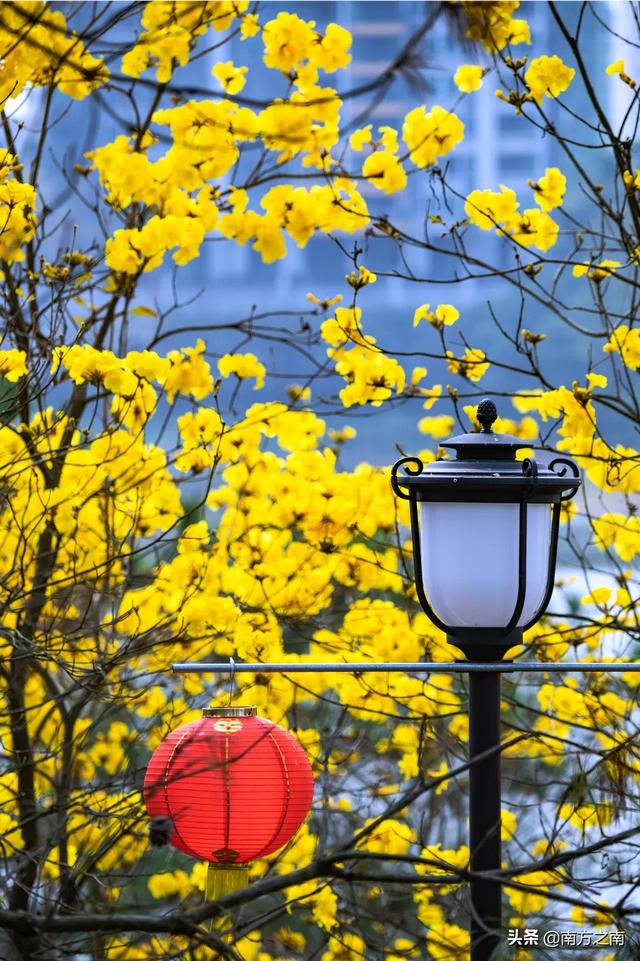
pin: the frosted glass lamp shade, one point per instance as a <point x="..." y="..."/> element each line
<point x="470" y="561"/>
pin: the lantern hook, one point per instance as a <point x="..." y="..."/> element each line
<point x="232" y="675"/>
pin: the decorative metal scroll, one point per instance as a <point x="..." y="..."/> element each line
<point x="413" y="473"/>
<point x="568" y="465"/>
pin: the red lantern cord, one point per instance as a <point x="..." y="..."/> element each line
<point x="235" y="787"/>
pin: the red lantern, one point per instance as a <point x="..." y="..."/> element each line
<point x="235" y="787"/>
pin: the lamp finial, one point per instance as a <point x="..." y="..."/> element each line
<point x="487" y="413"/>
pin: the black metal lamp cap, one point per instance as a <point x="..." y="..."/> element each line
<point x="484" y="444"/>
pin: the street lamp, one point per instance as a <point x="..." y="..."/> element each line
<point x="485" y="538"/>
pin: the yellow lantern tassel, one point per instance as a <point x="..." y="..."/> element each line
<point x="225" y="879"/>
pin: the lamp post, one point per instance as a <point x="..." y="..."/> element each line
<point x="485" y="538"/>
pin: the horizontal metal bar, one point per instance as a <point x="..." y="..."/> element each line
<point x="415" y="667"/>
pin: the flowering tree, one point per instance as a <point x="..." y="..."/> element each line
<point x="144" y="520"/>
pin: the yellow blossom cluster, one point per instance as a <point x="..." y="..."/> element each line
<point x="49" y="54"/>
<point x="171" y="32"/>
<point x="371" y="374"/>
<point x="289" y="41"/>
<point x="181" y="188"/>
<point x="610" y="467"/>
<point x="619" y="532"/>
<point x="13" y="364"/>
<point x="243" y="366"/>
<point x="17" y="210"/>
<point x="231" y="78"/>
<point x="534" y="227"/>
<point x="625" y="341"/>
<point x="181" y="371"/>
<point x="493" y="24"/>
<point x="473" y="364"/>
<point x="187" y="215"/>
<point x="596" y="272"/>
<point x="431" y="135"/>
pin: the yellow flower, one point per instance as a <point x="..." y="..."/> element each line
<point x="345" y="946"/>
<point x="360" y="279"/>
<point x="493" y="25"/>
<point x="344" y="326"/>
<point x="243" y="366"/>
<point x="331" y="51"/>
<point x="444" y="767"/>
<point x="596" y="272"/>
<point x="422" y="313"/>
<point x="231" y="78"/>
<point x="385" y="172"/>
<point x="287" y="41"/>
<point x="170" y="884"/>
<point x="446" y="860"/>
<point x="550" y="189"/>
<point x="325" y="304"/>
<point x="468" y="77"/>
<point x="488" y="209"/>
<point x="528" y="902"/>
<point x="437" y="427"/>
<point x="292" y="940"/>
<point x="388" y="139"/>
<point x="599" y="596"/>
<point x="548" y="77"/>
<point x="13" y="364"/>
<point x="202" y="427"/>
<point x="360" y="137"/>
<point x="134" y="411"/>
<point x="370" y="374"/>
<point x="299" y="393"/>
<point x="620" y="532"/>
<point x="188" y="373"/>
<point x="342" y="436"/>
<point x="508" y="825"/>
<point x="617" y="67"/>
<point x="249" y="26"/>
<point x="17" y="203"/>
<point x="432" y="394"/>
<point x="170" y="31"/>
<point x="534" y="228"/>
<point x="431" y="135"/>
<point x="472" y="365"/>
<point x="626" y="342"/>
<point x="444" y="315"/>
<point x="389" y="837"/>
<point x="270" y="241"/>
<point x="584" y="816"/>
